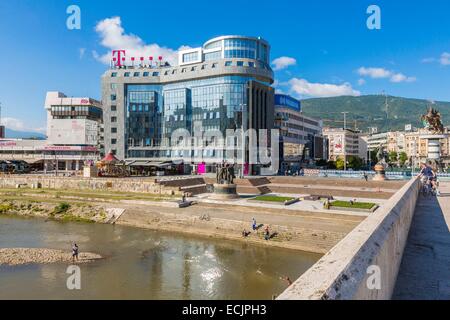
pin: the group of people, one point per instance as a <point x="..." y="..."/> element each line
<point x="255" y="227"/>
<point x="429" y="175"/>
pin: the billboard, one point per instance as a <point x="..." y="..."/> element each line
<point x="73" y="132"/>
<point x="282" y="100"/>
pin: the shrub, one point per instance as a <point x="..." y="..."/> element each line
<point x="61" y="208"/>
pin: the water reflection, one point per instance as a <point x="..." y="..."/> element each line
<point x="143" y="264"/>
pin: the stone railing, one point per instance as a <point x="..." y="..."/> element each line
<point x="365" y="264"/>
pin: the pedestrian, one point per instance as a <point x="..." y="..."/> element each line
<point x="267" y="233"/>
<point x="366" y="177"/>
<point x="74" y="252"/>
<point x="253" y="224"/>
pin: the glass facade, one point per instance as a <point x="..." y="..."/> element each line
<point x="143" y="116"/>
<point x="198" y="105"/>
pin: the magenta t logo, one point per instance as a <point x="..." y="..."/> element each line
<point x="118" y="55"/>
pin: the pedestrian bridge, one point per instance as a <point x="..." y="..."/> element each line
<point x="399" y="252"/>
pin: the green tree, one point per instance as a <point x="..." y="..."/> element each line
<point x="339" y="164"/>
<point x="393" y="157"/>
<point x="402" y="158"/>
<point x="355" y="162"/>
<point x="373" y="156"/>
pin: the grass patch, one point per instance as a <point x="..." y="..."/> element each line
<point x="89" y="194"/>
<point x="72" y="218"/>
<point x="61" y="208"/>
<point x="5" y="208"/>
<point x="272" y="198"/>
<point x="354" y="205"/>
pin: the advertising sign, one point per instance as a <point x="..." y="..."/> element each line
<point x="282" y="100"/>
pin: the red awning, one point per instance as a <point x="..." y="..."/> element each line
<point x="110" y="157"/>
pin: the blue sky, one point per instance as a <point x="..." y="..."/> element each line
<point x="325" y="46"/>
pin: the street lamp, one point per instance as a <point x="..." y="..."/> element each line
<point x="345" y="140"/>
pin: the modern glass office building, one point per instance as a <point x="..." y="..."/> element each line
<point x="225" y="84"/>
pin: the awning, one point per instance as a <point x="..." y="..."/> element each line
<point x="34" y="161"/>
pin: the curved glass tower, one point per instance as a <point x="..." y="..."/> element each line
<point x="225" y="84"/>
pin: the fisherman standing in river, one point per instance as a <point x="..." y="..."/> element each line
<point x="74" y="252"/>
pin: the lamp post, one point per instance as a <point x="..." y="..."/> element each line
<point x="345" y="140"/>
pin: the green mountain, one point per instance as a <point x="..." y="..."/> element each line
<point x="370" y="111"/>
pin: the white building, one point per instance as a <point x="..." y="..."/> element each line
<point x="344" y="143"/>
<point x="74" y="136"/>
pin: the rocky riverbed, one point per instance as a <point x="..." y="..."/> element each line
<point x="20" y="256"/>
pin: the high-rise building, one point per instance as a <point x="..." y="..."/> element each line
<point x="301" y="136"/>
<point x="223" y="85"/>
<point x="345" y="142"/>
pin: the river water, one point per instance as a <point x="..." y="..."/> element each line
<point x="144" y="264"/>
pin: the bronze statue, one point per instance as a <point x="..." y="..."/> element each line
<point x="380" y="153"/>
<point x="432" y="121"/>
<point x="225" y="174"/>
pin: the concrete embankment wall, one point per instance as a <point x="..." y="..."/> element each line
<point x="71" y="183"/>
<point x="376" y="244"/>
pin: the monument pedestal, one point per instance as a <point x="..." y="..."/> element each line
<point x="380" y="173"/>
<point x="224" y="192"/>
<point x="434" y="145"/>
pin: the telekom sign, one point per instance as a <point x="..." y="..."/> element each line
<point x="118" y="57"/>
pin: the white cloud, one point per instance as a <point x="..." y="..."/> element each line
<point x="113" y="37"/>
<point x="445" y="59"/>
<point x="82" y="51"/>
<point x="361" y="82"/>
<point x="400" y="77"/>
<point x="283" y="63"/>
<point x="428" y="60"/>
<point x="382" y="73"/>
<point x="19" y="125"/>
<point x="306" y="88"/>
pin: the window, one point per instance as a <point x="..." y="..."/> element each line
<point x="146" y="74"/>
<point x="114" y="74"/>
<point x="113" y="86"/>
<point x="190" y="57"/>
<point x="240" y="63"/>
<point x="155" y="74"/>
<point x="216" y="55"/>
<point x="214" y="65"/>
<point x="251" y="64"/>
<point x="228" y="63"/>
<point x="113" y="141"/>
<point x="113" y="108"/>
<point x="204" y="66"/>
<point x="113" y="97"/>
<point x="113" y="130"/>
<point x="113" y="119"/>
<point x="126" y="74"/>
<point x="183" y="70"/>
<point x="174" y="71"/>
<point x="136" y="74"/>
<point x="217" y="115"/>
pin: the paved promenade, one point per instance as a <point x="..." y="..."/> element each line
<point x="425" y="268"/>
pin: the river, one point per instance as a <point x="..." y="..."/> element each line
<point x="144" y="264"/>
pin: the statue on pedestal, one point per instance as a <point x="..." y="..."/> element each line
<point x="224" y="188"/>
<point x="432" y="121"/>
<point x="225" y="174"/>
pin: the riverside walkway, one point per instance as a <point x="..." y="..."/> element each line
<point x="425" y="268"/>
